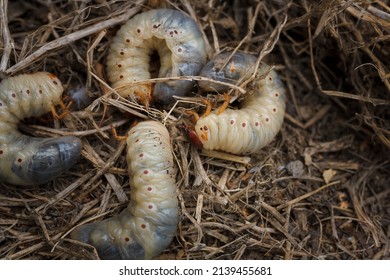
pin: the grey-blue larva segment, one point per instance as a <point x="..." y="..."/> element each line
<point x="261" y="113"/>
<point x="26" y="160"/>
<point x="177" y="39"/>
<point x="149" y="223"/>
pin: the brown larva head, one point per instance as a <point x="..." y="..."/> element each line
<point x="142" y="92"/>
<point x="202" y="130"/>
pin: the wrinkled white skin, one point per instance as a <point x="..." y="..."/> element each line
<point x="149" y="223"/>
<point x="26" y="160"/>
<point x="261" y="113"/>
<point x="179" y="43"/>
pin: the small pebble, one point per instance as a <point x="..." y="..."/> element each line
<point x="295" y="168"/>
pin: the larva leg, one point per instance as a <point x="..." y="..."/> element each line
<point x="195" y="115"/>
<point x="28" y="160"/>
<point x="64" y="108"/>
<point x="148" y="225"/>
<point x="116" y="136"/>
<point x="224" y="105"/>
<point x="208" y="107"/>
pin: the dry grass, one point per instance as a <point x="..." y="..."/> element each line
<point x="319" y="191"/>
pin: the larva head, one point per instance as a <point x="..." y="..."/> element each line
<point x="143" y="93"/>
<point x="41" y="160"/>
<point x="223" y="69"/>
<point x="202" y="131"/>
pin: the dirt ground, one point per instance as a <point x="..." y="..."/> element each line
<point x="320" y="190"/>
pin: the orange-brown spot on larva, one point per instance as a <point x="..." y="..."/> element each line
<point x="267" y="119"/>
<point x="243" y="124"/>
<point x="156" y="25"/>
<point x="119" y="65"/>
<point x="13" y="95"/>
<point x="232" y="67"/>
<point x="28" y="91"/>
<point x="274" y="110"/>
<point x="1" y="104"/>
<point x="1" y="152"/>
<point x="150" y="206"/>
<point x="204" y="136"/>
<point x="127" y="239"/>
<point x="128" y="40"/>
<point x="205" y="128"/>
<point x="149" y="189"/>
<point x="175" y="31"/>
<point x="276" y="94"/>
<point x="138" y="30"/>
<point x="52" y="76"/>
<point x="269" y="78"/>
<point x="40" y="91"/>
<point x="143" y="226"/>
<point x="137" y="140"/>
<point x="121" y="77"/>
<point x="122" y="52"/>
<point x="231" y="122"/>
<point x="141" y="155"/>
<point x="146" y="171"/>
<point x="257" y="123"/>
<point x="20" y="160"/>
<point x="179" y="50"/>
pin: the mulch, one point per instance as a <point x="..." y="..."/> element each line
<point x="320" y="190"/>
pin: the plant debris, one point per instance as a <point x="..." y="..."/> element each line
<point x="320" y="190"/>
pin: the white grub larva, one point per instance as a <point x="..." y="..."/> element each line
<point x="26" y="160"/>
<point x="149" y="223"/>
<point x="261" y="113"/>
<point x="179" y="43"/>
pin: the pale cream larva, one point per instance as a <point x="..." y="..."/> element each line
<point x="261" y="113"/>
<point x="179" y="43"/>
<point x="26" y="160"/>
<point x="149" y="223"/>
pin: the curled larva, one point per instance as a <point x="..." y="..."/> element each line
<point x="147" y="226"/>
<point x="26" y="160"/>
<point x="179" y="43"/>
<point x="261" y="113"/>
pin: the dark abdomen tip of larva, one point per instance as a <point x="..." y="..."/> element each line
<point x="101" y="236"/>
<point x="52" y="157"/>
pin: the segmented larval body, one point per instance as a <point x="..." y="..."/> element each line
<point x="26" y="160"/>
<point x="179" y="43"/>
<point x="261" y="113"/>
<point x="149" y="223"/>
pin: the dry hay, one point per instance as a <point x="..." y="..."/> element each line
<point x="319" y="191"/>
